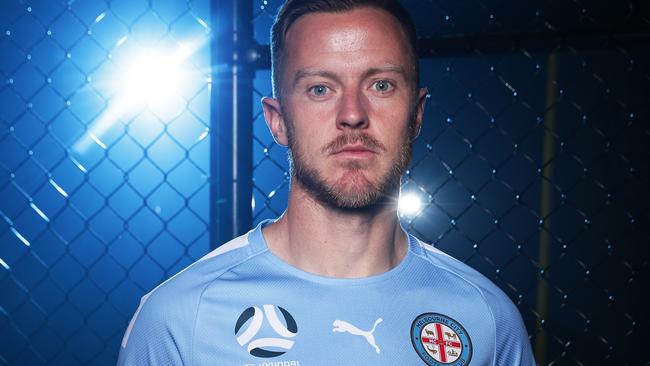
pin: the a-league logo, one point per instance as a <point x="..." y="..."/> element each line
<point x="250" y="323"/>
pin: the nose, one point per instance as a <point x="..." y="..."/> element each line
<point x="352" y="112"/>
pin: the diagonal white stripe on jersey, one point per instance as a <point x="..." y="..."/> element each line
<point x="125" y="339"/>
<point x="236" y="243"/>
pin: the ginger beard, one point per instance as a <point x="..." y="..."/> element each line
<point x="355" y="192"/>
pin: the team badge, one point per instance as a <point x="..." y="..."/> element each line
<point x="250" y="323"/>
<point x="440" y="340"/>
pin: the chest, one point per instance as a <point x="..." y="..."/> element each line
<point x="286" y="324"/>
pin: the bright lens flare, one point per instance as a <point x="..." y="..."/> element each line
<point x="152" y="78"/>
<point x="409" y="204"/>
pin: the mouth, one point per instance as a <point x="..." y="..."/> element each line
<point x="354" y="151"/>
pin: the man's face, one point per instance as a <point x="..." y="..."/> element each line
<point x="349" y="105"/>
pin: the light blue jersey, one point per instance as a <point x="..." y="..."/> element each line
<point x="241" y="305"/>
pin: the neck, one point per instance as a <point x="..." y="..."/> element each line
<point x="343" y="243"/>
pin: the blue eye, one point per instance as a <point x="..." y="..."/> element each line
<point x="382" y="86"/>
<point x="318" y="90"/>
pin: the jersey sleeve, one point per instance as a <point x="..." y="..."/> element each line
<point x="512" y="346"/>
<point x="512" y="343"/>
<point x="158" y="334"/>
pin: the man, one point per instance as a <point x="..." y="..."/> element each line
<point x="335" y="280"/>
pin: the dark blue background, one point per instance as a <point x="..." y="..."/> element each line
<point x="86" y="229"/>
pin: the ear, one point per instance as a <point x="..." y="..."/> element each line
<point x="422" y="98"/>
<point x="275" y="120"/>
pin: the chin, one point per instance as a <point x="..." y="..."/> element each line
<point x="351" y="188"/>
<point x="354" y="179"/>
<point x="355" y="192"/>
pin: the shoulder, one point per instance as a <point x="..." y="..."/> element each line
<point x="512" y="343"/>
<point x="491" y="293"/>
<point x="187" y="286"/>
<point x="169" y="309"/>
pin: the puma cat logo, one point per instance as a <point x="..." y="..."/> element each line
<point x="343" y="326"/>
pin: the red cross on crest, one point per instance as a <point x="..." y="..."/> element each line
<point x="441" y="342"/>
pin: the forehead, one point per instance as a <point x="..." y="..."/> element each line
<point x="357" y="39"/>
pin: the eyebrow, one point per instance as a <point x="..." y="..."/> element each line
<point x="387" y="68"/>
<point x="304" y="73"/>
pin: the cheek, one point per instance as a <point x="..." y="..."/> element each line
<point x="306" y="112"/>
<point x="396" y="107"/>
<point x="392" y="122"/>
<point x="311" y="125"/>
<point x="309" y="139"/>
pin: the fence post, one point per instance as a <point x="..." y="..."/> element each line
<point x="231" y="119"/>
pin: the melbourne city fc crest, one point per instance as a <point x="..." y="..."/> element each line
<point x="263" y="333"/>
<point x="440" y="340"/>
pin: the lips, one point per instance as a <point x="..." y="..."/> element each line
<point x="354" y="151"/>
<point x="354" y="148"/>
<point x="354" y="143"/>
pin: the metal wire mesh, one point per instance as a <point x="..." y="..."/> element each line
<point x="101" y="198"/>
<point x="532" y="162"/>
<point x="531" y="167"/>
<point x="270" y="165"/>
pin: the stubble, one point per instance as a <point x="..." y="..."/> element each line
<point x="359" y="192"/>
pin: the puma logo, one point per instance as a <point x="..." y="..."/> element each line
<point x="343" y="326"/>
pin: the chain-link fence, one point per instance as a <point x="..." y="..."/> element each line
<point x="103" y="188"/>
<point x="532" y="162"/>
<point x="531" y="165"/>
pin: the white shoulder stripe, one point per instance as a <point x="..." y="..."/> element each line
<point x="238" y="242"/>
<point x="125" y="339"/>
<point x="432" y="249"/>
